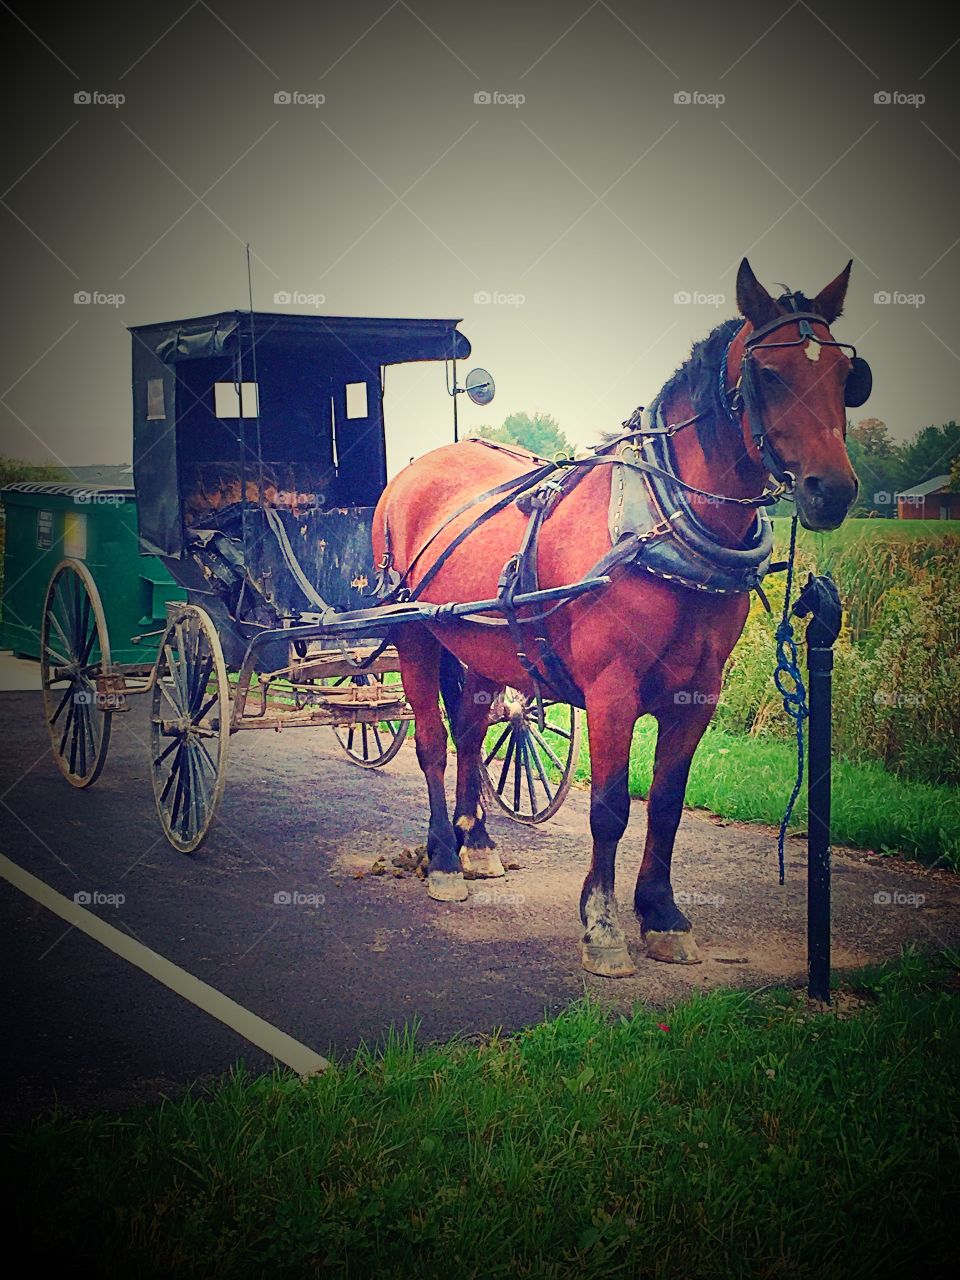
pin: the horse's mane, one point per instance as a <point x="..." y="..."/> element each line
<point x="699" y="377"/>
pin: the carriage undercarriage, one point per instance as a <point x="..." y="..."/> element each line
<point x="197" y="706"/>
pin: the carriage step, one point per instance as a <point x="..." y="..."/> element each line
<point x="112" y="692"/>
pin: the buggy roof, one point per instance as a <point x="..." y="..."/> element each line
<point x="361" y="339"/>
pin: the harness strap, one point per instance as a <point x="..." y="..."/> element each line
<point x="511" y="487"/>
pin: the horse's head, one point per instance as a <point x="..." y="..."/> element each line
<point x="792" y="382"/>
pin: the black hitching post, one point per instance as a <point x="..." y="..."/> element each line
<point x="821" y="600"/>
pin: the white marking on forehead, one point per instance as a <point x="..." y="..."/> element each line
<point x="838" y="433"/>
<point x="812" y="350"/>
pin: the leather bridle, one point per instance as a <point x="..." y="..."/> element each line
<point x="745" y="393"/>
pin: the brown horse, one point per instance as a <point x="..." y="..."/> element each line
<point x="641" y="644"/>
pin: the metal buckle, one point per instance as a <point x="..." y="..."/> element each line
<point x="659" y="530"/>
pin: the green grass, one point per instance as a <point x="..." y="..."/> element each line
<point x="734" y="1135"/>
<point x="750" y="779"/>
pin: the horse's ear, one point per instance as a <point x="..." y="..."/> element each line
<point x="752" y="298"/>
<point x="829" y="301"/>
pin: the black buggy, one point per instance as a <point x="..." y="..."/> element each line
<point x="259" y="457"/>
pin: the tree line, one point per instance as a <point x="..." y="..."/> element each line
<point x="885" y="466"/>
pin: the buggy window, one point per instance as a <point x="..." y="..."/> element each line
<point x="356" y="399"/>
<point x="229" y="399"/>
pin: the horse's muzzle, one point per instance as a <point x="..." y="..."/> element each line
<point x="824" y="500"/>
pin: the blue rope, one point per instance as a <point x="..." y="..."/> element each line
<point x="789" y="681"/>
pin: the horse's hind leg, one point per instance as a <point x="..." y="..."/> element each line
<point x="420" y="671"/>
<point x="666" y="930"/>
<point x="477" y="850"/>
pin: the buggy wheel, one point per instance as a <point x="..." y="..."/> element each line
<point x="189" y="727"/>
<point x="374" y="744"/>
<point x="74" y="650"/>
<point x="526" y="770"/>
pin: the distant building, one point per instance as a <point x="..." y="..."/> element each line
<point x="930" y="501"/>
<point x="112" y="473"/>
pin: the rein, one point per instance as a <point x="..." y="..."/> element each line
<point x="789" y="681"/>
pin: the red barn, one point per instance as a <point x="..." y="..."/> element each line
<point x="930" y="501"/>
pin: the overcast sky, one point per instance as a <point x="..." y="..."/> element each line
<point x="585" y="200"/>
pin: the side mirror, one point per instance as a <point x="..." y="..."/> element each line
<point x="479" y="386"/>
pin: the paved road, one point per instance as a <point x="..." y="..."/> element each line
<point x="85" y="1027"/>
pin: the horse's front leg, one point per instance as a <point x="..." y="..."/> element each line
<point x="666" y="931"/>
<point x="611" y="715"/>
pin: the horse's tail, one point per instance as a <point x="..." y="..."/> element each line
<point x="451" y="685"/>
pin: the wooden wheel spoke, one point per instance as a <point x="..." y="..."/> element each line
<point x="64" y="638"/>
<point x="67" y="724"/>
<point x="191" y="813"/>
<point x="178" y="792"/>
<point x="172" y="774"/>
<point x="175" y="682"/>
<point x="542" y="742"/>
<point x="204" y="755"/>
<point x="529" y="773"/>
<point x="171" y="746"/>
<point x="532" y="748"/>
<point x="74" y="740"/>
<point x="87" y="635"/>
<point x="206" y="708"/>
<point x="61" y="704"/>
<point x="500" y="741"/>
<point x="164" y="686"/>
<point x="511" y="745"/>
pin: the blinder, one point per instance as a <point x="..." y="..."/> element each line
<point x="859" y="384"/>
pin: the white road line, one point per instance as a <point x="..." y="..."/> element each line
<point x="273" y="1041"/>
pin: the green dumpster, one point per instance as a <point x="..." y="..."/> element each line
<point x="46" y="522"/>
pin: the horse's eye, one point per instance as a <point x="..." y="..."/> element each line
<point x="770" y="376"/>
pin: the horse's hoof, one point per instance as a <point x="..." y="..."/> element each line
<point x="485" y="864"/>
<point x="607" y="962"/>
<point x="672" y="946"/>
<point x="446" y="886"/>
